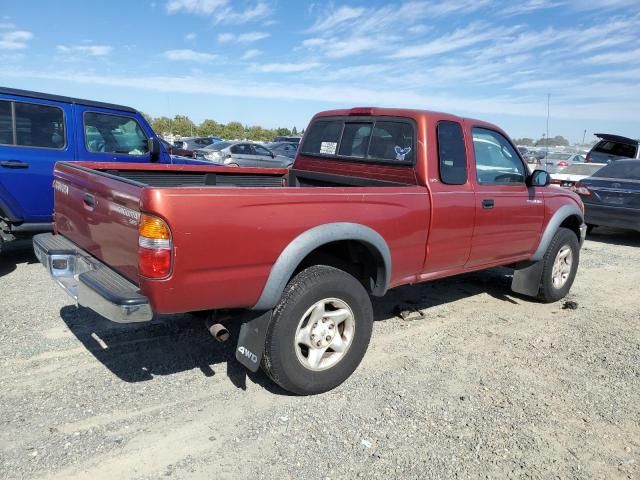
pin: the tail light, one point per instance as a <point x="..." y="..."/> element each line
<point x="563" y="164"/>
<point x="581" y="189"/>
<point x="555" y="181"/>
<point x="155" y="247"/>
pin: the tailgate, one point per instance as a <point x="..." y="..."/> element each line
<point x="99" y="213"/>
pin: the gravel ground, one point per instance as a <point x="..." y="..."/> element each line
<point x="462" y="380"/>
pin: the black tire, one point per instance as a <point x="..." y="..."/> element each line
<point x="280" y="361"/>
<point x="548" y="292"/>
<point x="590" y="228"/>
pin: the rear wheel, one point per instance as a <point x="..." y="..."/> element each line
<point x="560" y="266"/>
<point x="319" y="331"/>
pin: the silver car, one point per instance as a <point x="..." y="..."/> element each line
<point x="242" y="154"/>
<point x="555" y="162"/>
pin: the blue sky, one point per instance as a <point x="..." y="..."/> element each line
<point x="276" y="62"/>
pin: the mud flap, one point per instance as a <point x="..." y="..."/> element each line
<point x="251" y="341"/>
<point x="527" y="278"/>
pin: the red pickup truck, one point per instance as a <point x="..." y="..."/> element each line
<point x="376" y="198"/>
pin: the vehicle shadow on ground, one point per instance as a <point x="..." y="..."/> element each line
<point x="164" y="346"/>
<point x="612" y="236"/>
<point x="14" y="254"/>
<point x="406" y="300"/>
<point x="173" y="344"/>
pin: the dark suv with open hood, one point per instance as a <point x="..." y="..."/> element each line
<point x="611" y="148"/>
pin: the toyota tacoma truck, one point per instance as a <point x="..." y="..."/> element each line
<point x="376" y="198"/>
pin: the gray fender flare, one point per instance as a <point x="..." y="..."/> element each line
<point x="308" y="241"/>
<point x="560" y="216"/>
<point x="528" y="275"/>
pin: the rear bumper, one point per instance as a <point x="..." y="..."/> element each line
<point x="609" y="216"/>
<point x="90" y="282"/>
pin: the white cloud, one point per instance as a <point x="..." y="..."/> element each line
<point x="190" y="36"/>
<point x="251" y="53"/>
<point x="463" y="37"/>
<point x="6" y="26"/>
<point x="91" y="50"/>
<point x="221" y="11"/>
<point x="337" y="17"/>
<point x="15" y="40"/>
<point x="200" y="7"/>
<point x="530" y="6"/>
<point x="285" y="67"/>
<point x="187" y="55"/>
<point x="243" y="37"/>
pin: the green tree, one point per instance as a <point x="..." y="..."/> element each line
<point x="294" y="130"/>
<point x="283" y="132"/>
<point x="527" y="142"/>
<point x="233" y="130"/>
<point x="183" y="126"/>
<point x="161" y="125"/>
<point x="210" y="128"/>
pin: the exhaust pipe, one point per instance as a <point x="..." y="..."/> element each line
<point x="217" y="331"/>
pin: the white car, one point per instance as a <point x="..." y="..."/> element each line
<point x="574" y="173"/>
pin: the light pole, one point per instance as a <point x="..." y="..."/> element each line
<point x="548" y="109"/>
<point x="584" y="134"/>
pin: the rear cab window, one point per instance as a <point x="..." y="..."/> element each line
<point x="107" y="133"/>
<point x="368" y="139"/>
<point x="452" y="155"/>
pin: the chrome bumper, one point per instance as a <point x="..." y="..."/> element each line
<point x="583" y="233"/>
<point x="90" y="282"/>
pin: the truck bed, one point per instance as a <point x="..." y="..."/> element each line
<point x="229" y="225"/>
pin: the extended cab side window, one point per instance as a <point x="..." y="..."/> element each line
<point x="106" y="133"/>
<point x="37" y="126"/>
<point x="452" y="155"/>
<point x="497" y="163"/>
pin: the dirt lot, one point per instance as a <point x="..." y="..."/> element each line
<point x="486" y="384"/>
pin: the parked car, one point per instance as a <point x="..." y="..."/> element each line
<point x="556" y="162"/>
<point x="288" y="139"/>
<point x="286" y="149"/>
<point x="572" y="174"/>
<point x="611" y="196"/>
<point x="194" y="143"/>
<point x="611" y="148"/>
<point x="243" y="154"/>
<point x="38" y="129"/>
<point x="173" y="150"/>
<point x="300" y="251"/>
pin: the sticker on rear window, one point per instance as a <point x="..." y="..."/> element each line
<point x="401" y="152"/>
<point x="328" y="148"/>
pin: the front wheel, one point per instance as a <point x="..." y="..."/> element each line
<point x="560" y="266"/>
<point x="319" y="332"/>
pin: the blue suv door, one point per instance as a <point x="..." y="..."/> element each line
<point x="34" y="135"/>
<point x="105" y="135"/>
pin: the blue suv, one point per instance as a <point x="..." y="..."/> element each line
<point x="37" y="130"/>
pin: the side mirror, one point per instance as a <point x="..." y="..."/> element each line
<point x="539" y="178"/>
<point x="153" y="145"/>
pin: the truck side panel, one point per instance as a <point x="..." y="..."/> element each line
<point x="227" y="240"/>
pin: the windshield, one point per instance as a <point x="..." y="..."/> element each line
<point x="582" y="169"/>
<point x="626" y="170"/>
<point x="216" y="147"/>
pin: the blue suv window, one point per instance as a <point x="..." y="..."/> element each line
<point x="106" y="133"/>
<point x="31" y="125"/>
<point x="6" y="124"/>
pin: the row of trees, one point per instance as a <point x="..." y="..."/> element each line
<point x="557" y="141"/>
<point x="183" y="126"/>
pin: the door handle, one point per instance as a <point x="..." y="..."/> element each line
<point x="89" y="200"/>
<point x="13" y="164"/>
<point x="487" y="203"/>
